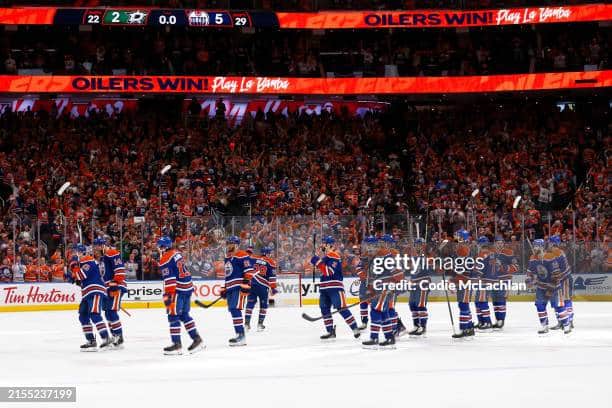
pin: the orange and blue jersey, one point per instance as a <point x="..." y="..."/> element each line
<point x="544" y="271"/>
<point x="488" y="270"/>
<point x="87" y="271"/>
<point x="264" y="271"/>
<point x="330" y="267"/>
<point x="561" y="262"/>
<point x="238" y="266"/>
<point x="114" y="269"/>
<point x="176" y="276"/>
<point x="506" y="264"/>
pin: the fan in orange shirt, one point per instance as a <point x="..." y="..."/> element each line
<point x="44" y="272"/>
<point x="31" y="274"/>
<point x="57" y="268"/>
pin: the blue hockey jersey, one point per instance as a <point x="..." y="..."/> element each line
<point x="330" y="267"/>
<point x="114" y="270"/>
<point x="175" y="273"/>
<point x="86" y="270"/>
<point x="238" y="266"/>
<point x="544" y="271"/>
<point x="264" y="271"/>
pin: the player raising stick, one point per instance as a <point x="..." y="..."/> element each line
<point x="331" y="289"/>
<point x="262" y="283"/>
<point x="114" y="279"/>
<point x="177" y="297"/>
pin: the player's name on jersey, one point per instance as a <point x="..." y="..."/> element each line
<point x="406" y="285"/>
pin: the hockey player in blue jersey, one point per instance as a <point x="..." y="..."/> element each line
<point x="331" y="289"/>
<point x="263" y="283"/>
<point x="381" y="320"/>
<point x="114" y="280"/>
<point x="177" y="297"/>
<point x="567" y="282"/>
<point x="86" y="274"/>
<point x="419" y="294"/>
<point x="388" y="244"/>
<point x="544" y="273"/>
<point x="483" y="276"/>
<point x="369" y="250"/>
<point x="466" y="326"/>
<point x="238" y="272"/>
<point x="506" y="264"/>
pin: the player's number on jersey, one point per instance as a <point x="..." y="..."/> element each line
<point x="260" y="269"/>
<point x="182" y="268"/>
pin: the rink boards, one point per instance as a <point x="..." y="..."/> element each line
<point x="148" y="294"/>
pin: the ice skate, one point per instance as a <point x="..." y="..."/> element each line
<point x="484" y="327"/>
<point x="371" y="344"/>
<point x="107" y="344"/>
<point x="464" y="334"/>
<point x="498" y="326"/>
<point x="90" y="346"/>
<point x="388" y="344"/>
<point x="330" y="335"/>
<point x="118" y="342"/>
<point x="418" y="331"/>
<point x="364" y="324"/>
<point x="173" y="350"/>
<point x="543" y="330"/>
<point x="239" y="340"/>
<point x="260" y="327"/>
<point x="401" y="329"/>
<point x="196" y="345"/>
<point x="356" y="332"/>
<point x="556" y="327"/>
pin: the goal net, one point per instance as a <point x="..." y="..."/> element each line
<point x="289" y="287"/>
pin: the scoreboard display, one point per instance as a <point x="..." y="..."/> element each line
<point x="159" y="17"/>
<point x="374" y="19"/>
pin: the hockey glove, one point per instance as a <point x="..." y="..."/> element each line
<point x="113" y="286"/>
<point x="223" y="293"/>
<point x="168" y="298"/>
<point x="314" y="260"/>
<point x="245" y="286"/>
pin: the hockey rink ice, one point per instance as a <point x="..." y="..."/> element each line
<point x="288" y="366"/>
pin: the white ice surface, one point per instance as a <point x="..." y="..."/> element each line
<point x="287" y="366"/>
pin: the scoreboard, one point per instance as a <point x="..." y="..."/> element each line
<point x="148" y="17"/>
<point x="373" y="19"/>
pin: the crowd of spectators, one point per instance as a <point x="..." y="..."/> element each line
<point x="414" y="52"/>
<point x="259" y="180"/>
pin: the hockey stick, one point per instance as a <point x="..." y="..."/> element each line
<point x="206" y="306"/>
<point x="126" y="312"/>
<point x="80" y="231"/>
<point x="314" y="319"/>
<point x="450" y="311"/>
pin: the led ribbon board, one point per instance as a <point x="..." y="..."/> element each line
<point x="142" y="16"/>
<point x="302" y="86"/>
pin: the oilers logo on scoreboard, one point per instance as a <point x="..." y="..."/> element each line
<point x="198" y="18"/>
